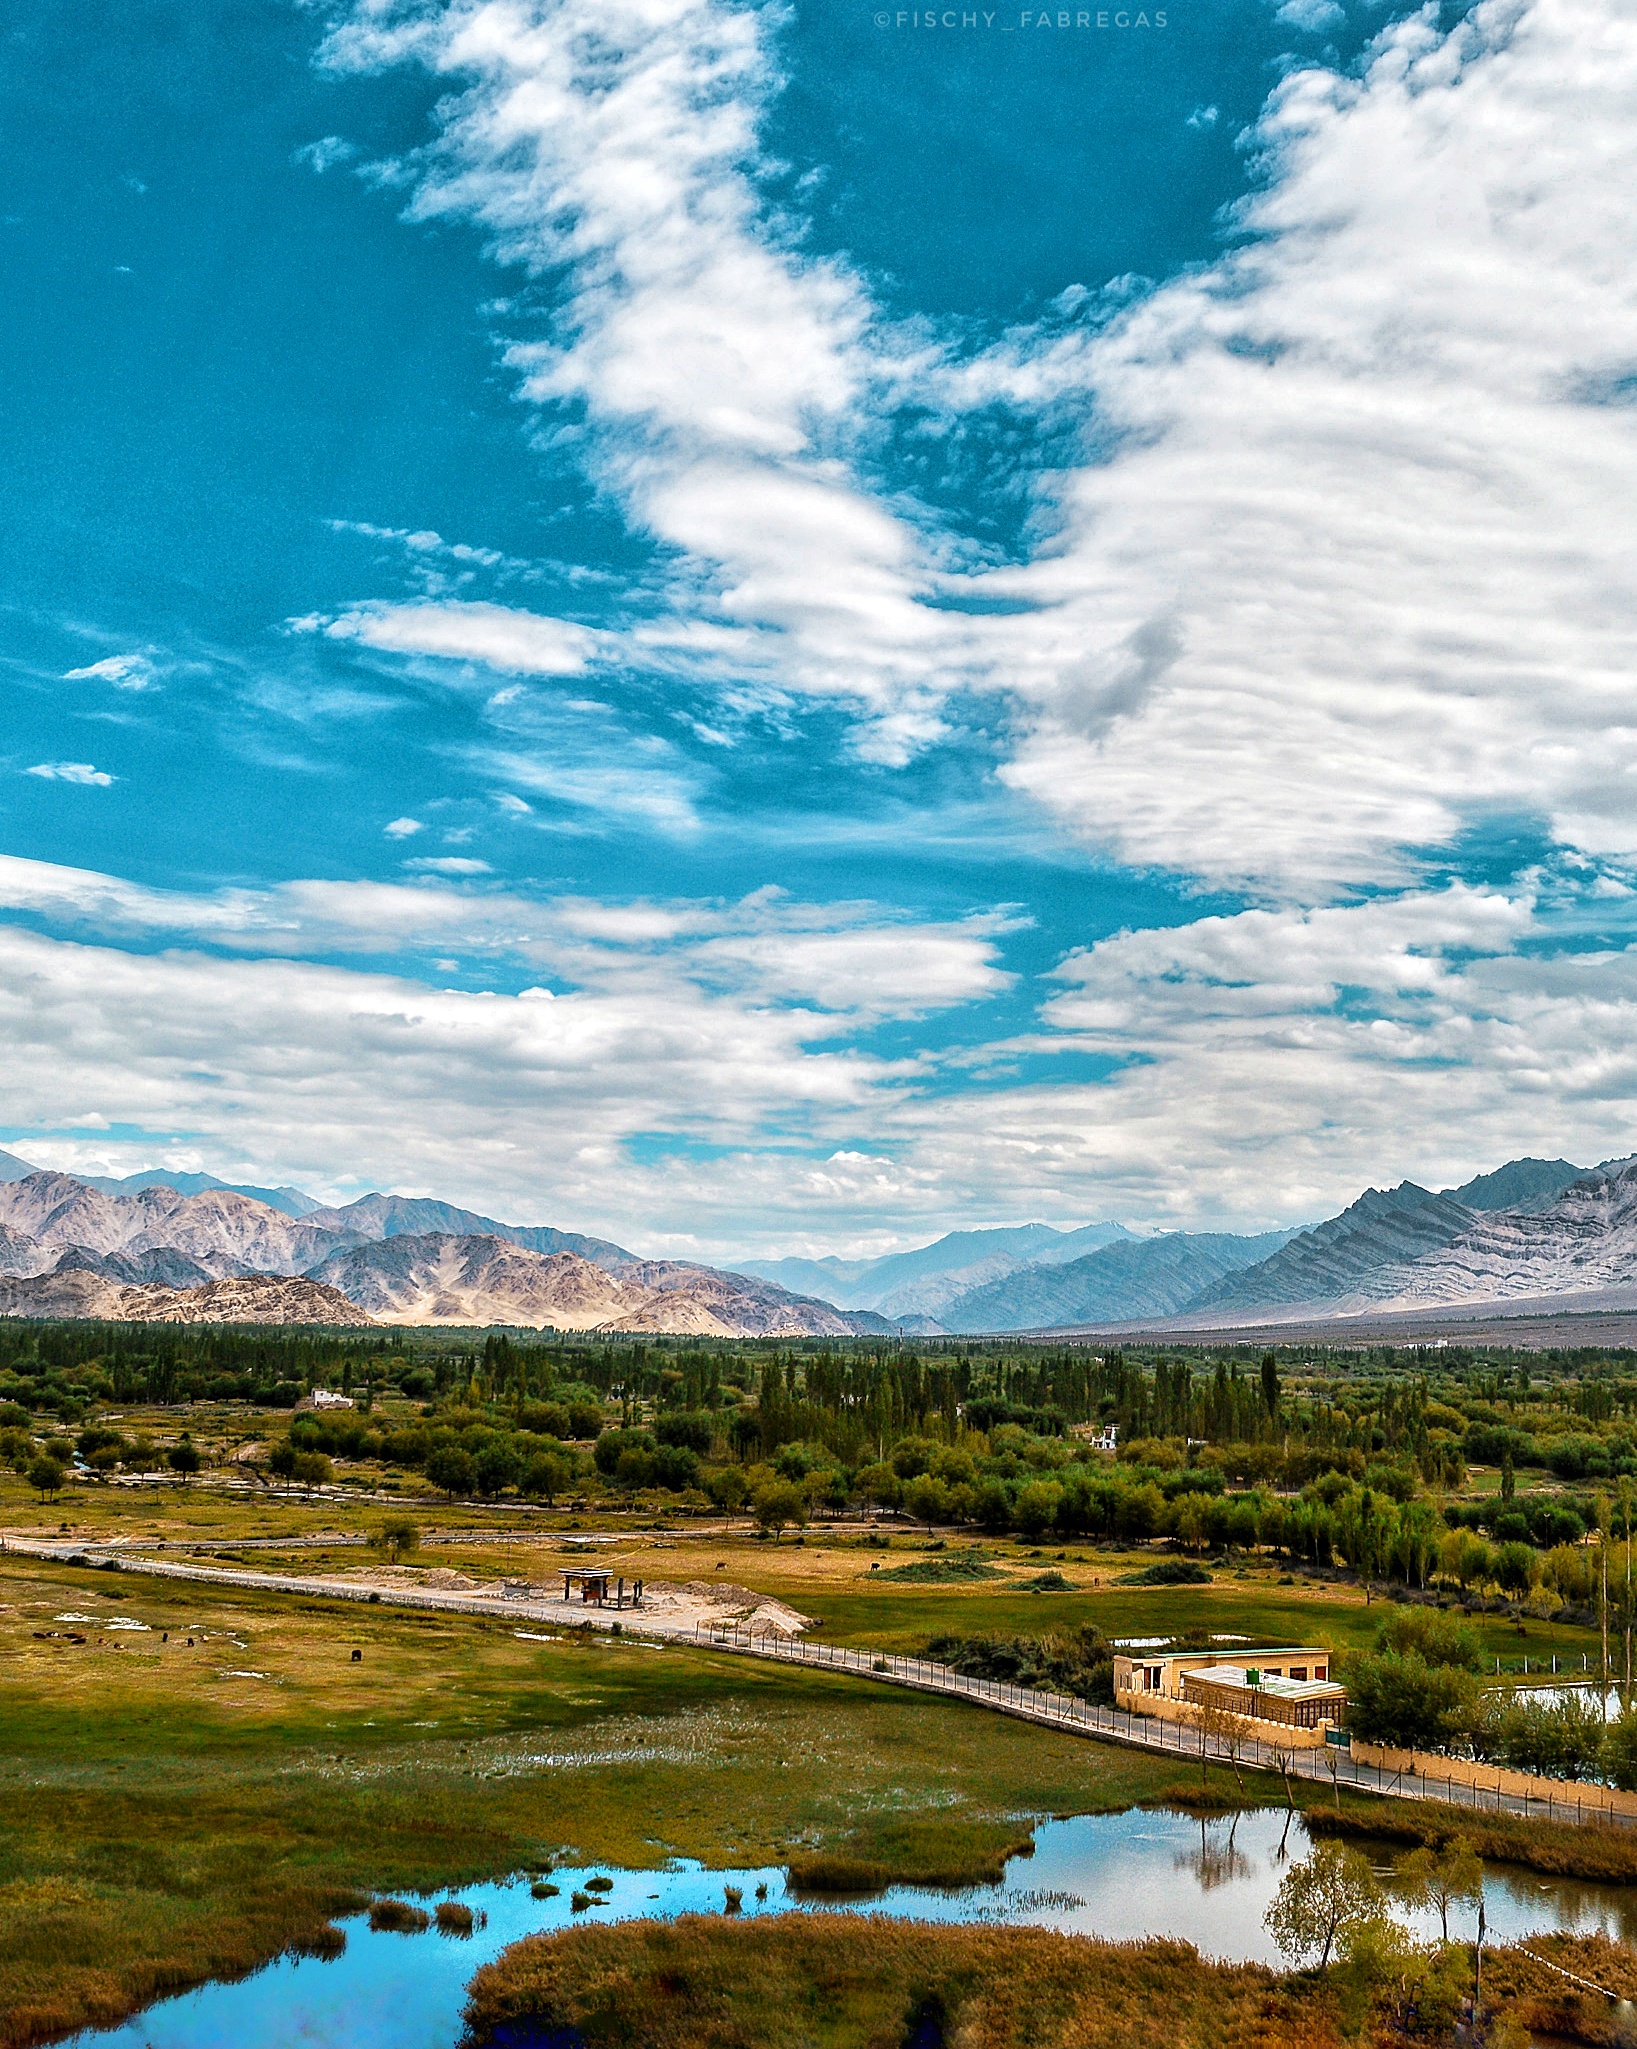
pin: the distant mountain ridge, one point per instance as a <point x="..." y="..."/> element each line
<point x="1533" y="1230"/>
<point x="1138" y="1277"/>
<point x="445" y="1277"/>
<point x="292" y="1201"/>
<point x="68" y="1248"/>
<point x="392" y="1216"/>
<point x="1385" y="1227"/>
<point x="921" y="1282"/>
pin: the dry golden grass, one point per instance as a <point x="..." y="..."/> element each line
<point x="847" y="1981"/>
<point x="1515" y="1983"/>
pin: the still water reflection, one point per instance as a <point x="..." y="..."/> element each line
<point x="1119" y="1876"/>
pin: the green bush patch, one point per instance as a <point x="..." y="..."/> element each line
<point x="1167" y="1572"/>
<point x="939" y="1572"/>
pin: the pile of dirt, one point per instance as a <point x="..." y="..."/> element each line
<point x="443" y="1578"/>
<point x="720" y="1600"/>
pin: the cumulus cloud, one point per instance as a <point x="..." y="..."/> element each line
<point x="1344" y="564"/>
<point x="725" y="1021"/>
<point x="1362" y="564"/>
<point x="1261" y="1067"/>
<point x="403" y="828"/>
<point x="72" y="772"/>
<point x="1358" y="522"/>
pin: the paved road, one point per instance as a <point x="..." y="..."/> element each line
<point x="1332" y="1766"/>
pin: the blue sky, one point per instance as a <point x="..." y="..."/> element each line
<point x="761" y="632"/>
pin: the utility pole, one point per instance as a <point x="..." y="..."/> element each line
<point x="1603" y="1588"/>
<point x="1625" y="1517"/>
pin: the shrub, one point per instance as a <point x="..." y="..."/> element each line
<point x="1516" y="1567"/>
<point x="1437" y="1638"/>
<point x="1578" y="1458"/>
<point x="46" y="1475"/>
<point x="1168" y="1572"/>
<point x="729" y="1489"/>
<point x="1401" y="1700"/>
<point x="927" y="1499"/>
<point x="1080" y="1663"/>
<point x="1557" y="1739"/>
<point x="498" y="1467"/>
<point x="612" y="1444"/>
<point x="545" y="1476"/>
<point x="398" y="1537"/>
<point x="956" y="1570"/>
<point x="1036" y="1506"/>
<point x="675" y="1467"/>
<point x="543" y="1889"/>
<point x="1620" y="1752"/>
<point x="1323" y="1900"/>
<point x="454" y="1919"/>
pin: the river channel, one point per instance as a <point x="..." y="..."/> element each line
<point x="1117" y="1875"/>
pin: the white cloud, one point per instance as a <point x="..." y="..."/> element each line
<point x="1313" y="15"/>
<point x="524" y="643"/>
<point x="1355" y="558"/>
<point x="1363" y="563"/>
<point x="325" y="154"/>
<point x="71" y="772"/>
<point x="448" y="864"/>
<point x="403" y="828"/>
<point x="1266" y="1066"/>
<point x="125" y="672"/>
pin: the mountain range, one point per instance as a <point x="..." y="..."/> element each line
<point x="191" y="1247"/>
<point x="71" y="1248"/>
<point x="923" y="1282"/>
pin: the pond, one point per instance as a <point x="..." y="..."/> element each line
<point x="1116" y="1875"/>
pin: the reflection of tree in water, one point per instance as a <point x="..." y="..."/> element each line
<point x="1217" y="1861"/>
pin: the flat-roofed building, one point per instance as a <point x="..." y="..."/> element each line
<point x="1289" y="1684"/>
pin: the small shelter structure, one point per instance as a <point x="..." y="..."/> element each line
<point x="598" y="1588"/>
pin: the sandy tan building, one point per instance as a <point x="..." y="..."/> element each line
<point x="1289" y="1684"/>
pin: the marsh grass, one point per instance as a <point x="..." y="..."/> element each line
<point x="453" y="1918"/>
<point x="848" y="1981"/>
<point x="854" y="1876"/>
<point x="1563" y="1849"/>
<point x="398" y="1917"/>
<point x="160" y="1825"/>
<point x="1519" y="1984"/>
